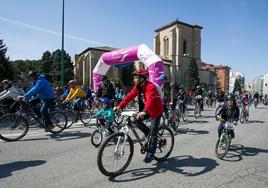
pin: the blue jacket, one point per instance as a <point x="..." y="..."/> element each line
<point x="66" y="92"/>
<point x="41" y="88"/>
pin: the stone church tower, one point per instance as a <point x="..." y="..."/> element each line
<point x="177" y="44"/>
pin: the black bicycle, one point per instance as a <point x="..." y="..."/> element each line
<point x="15" y="126"/>
<point x="84" y="114"/>
<point x="116" y="153"/>
<point x="197" y="109"/>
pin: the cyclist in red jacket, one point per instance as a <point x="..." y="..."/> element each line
<point x="151" y="107"/>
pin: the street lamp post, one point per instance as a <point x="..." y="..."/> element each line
<point x="62" y="47"/>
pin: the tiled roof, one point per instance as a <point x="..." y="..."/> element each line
<point x="177" y="22"/>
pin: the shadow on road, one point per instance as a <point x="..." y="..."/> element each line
<point x="250" y="151"/>
<point x="7" y="169"/>
<point x="185" y="165"/>
<point x="234" y="154"/>
<point x="255" y="121"/>
<point x="237" y="151"/>
<point x="32" y="139"/>
<point x="196" y="132"/>
<point x="197" y="121"/>
<point x="208" y="117"/>
<point x="69" y="135"/>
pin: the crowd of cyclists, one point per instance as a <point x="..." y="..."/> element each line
<point x="152" y="101"/>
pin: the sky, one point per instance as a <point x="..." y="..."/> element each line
<point x="235" y="32"/>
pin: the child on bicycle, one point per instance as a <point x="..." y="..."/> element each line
<point x="108" y="114"/>
<point x="228" y="113"/>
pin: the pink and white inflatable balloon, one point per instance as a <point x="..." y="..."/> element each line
<point x="141" y="52"/>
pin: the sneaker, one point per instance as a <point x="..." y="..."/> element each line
<point x="148" y="158"/>
<point x="49" y="128"/>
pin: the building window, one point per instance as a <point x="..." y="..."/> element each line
<point x="184" y="52"/>
<point x="166" y="46"/>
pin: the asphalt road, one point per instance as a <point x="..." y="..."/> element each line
<point x="69" y="160"/>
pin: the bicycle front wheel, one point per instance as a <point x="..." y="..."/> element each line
<point x="222" y="146"/>
<point x="185" y="114"/>
<point x="70" y="118"/>
<point x="196" y="112"/>
<point x="59" y="121"/>
<point x="85" y="116"/>
<point x="242" y="117"/>
<point x="165" y="143"/>
<point x="96" y="138"/>
<point x="115" y="154"/>
<point x="13" y="127"/>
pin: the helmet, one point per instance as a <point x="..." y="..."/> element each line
<point x="32" y="74"/>
<point x="230" y="97"/>
<point x="72" y="82"/>
<point x="105" y="101"/>
<point x="163" y="78"/>
<point x="198" y="87"/>
<point x="141" y="72"/>
<point x="6" y="81"/>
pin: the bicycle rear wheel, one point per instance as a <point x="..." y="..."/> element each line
<point x="165" y="143"/>
<point x="85" y="116"/>
<point x="59" y="121"/>
<point x="222" y="146"/>
<point x="13" y="127"/>
<point x="115" y="154"/>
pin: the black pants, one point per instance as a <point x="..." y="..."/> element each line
<point x="33" y="104"/>
<point x="153" y="127"/>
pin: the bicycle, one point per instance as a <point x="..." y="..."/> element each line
<point x="255" y="102"/>
<point x="197" y="109"/>
<point x="15" y="126"/>
<point x="3" y="109"/>
<point x="84" y="114"/>
<point x="102" y="131"/>
<point x="173" y="122"/>
<point x="121" y="145"/>
<point x="224" y="142"/>
<point x="244" y="115"/>
<point x="183" y="113"/>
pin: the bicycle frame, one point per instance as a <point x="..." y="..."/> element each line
<point x="129" y="126"/>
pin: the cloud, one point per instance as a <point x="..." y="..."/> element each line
<point x="51" y="31"/>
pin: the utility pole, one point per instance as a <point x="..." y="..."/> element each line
<point x="62" y="47"/>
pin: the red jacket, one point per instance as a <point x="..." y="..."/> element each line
<point x="153" y="105"/>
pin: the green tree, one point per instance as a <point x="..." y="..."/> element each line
<point x="22" y="67"/>
<point x="46" y="65"/>
<point x="237" y="86"/>
<point x="192" y="76"/>
<point x="56" y="67"/>
<point x="127" y="75"/>
<point x="6" y="69"/>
